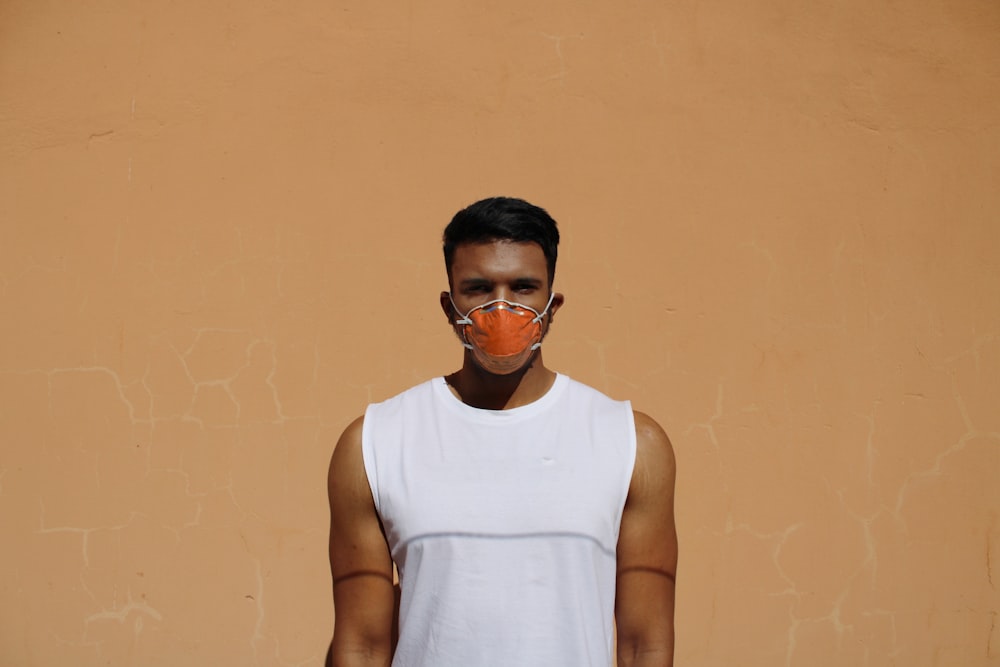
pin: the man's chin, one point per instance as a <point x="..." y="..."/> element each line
<point x="504" y="366"/>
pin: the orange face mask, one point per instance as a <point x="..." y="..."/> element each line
<point x="502" y="334"/>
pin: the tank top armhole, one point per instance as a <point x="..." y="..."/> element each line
<point x="369" y="457"/>
<point x="630" y="454"/>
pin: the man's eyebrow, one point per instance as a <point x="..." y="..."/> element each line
<point x="520" y="280"/>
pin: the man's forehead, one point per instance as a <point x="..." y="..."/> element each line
<point x="499" y="251"/>
<point x="499" y="259"/>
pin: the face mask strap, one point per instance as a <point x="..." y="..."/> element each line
<point x="465" y="317"/>
<point x="465" y="320"/>
<point x="552" y="295"/>
<point x="462" y="322"/>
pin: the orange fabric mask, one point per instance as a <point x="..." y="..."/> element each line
<point x="502" y="334"/>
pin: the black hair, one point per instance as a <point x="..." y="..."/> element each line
<point x="503" y="219"/>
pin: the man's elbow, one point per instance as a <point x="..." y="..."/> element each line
<point x="645" y="651"/>
<point x="355" y="654"/>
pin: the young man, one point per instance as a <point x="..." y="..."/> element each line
<point x="527" y="514"/>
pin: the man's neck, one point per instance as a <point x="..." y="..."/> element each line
<point x="480" y="389"/>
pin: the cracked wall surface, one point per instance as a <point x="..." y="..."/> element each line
<point x="219" y="236"/>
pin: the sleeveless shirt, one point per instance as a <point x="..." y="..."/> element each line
<point x="503" y="524"/>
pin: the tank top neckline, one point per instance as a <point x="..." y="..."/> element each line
<point x="482" y="415"/>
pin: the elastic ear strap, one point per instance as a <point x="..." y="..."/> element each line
<point x="552" y="295"/>
<point x="465" y="317"/>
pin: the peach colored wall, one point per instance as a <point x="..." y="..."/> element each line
<point x="219" y="234"/>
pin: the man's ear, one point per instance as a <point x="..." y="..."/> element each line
<point x="557" y="301"/>
<point x="446" y="306"/>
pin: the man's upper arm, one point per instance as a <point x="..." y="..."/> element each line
<point x="359" y="561"/>
<point x="647" y="553"/>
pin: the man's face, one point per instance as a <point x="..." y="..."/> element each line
<point x="482" y="272"/>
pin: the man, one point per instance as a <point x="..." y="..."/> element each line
<point x="527" y="514"/>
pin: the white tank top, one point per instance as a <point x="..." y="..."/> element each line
<point x="503" y="523"/>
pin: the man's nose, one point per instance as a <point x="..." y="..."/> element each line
<point x="502" y="292"/>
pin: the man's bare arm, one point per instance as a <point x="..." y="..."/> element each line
<point x="647" y="554"/>
<point x="359" y="562"/>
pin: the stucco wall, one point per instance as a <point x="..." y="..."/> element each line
<point x="219" y="239"/>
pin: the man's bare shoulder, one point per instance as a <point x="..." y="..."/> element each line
<point x="351" y="437"/>
<point x="346" y="470"/>
<point x="654" y="452"/>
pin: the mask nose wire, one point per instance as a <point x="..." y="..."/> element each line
<point x="538" y="315"/>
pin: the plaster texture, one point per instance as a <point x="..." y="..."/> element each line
<point x="219" y="239"/>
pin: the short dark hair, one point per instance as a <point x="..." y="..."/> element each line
<point x="503" y="219"/>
